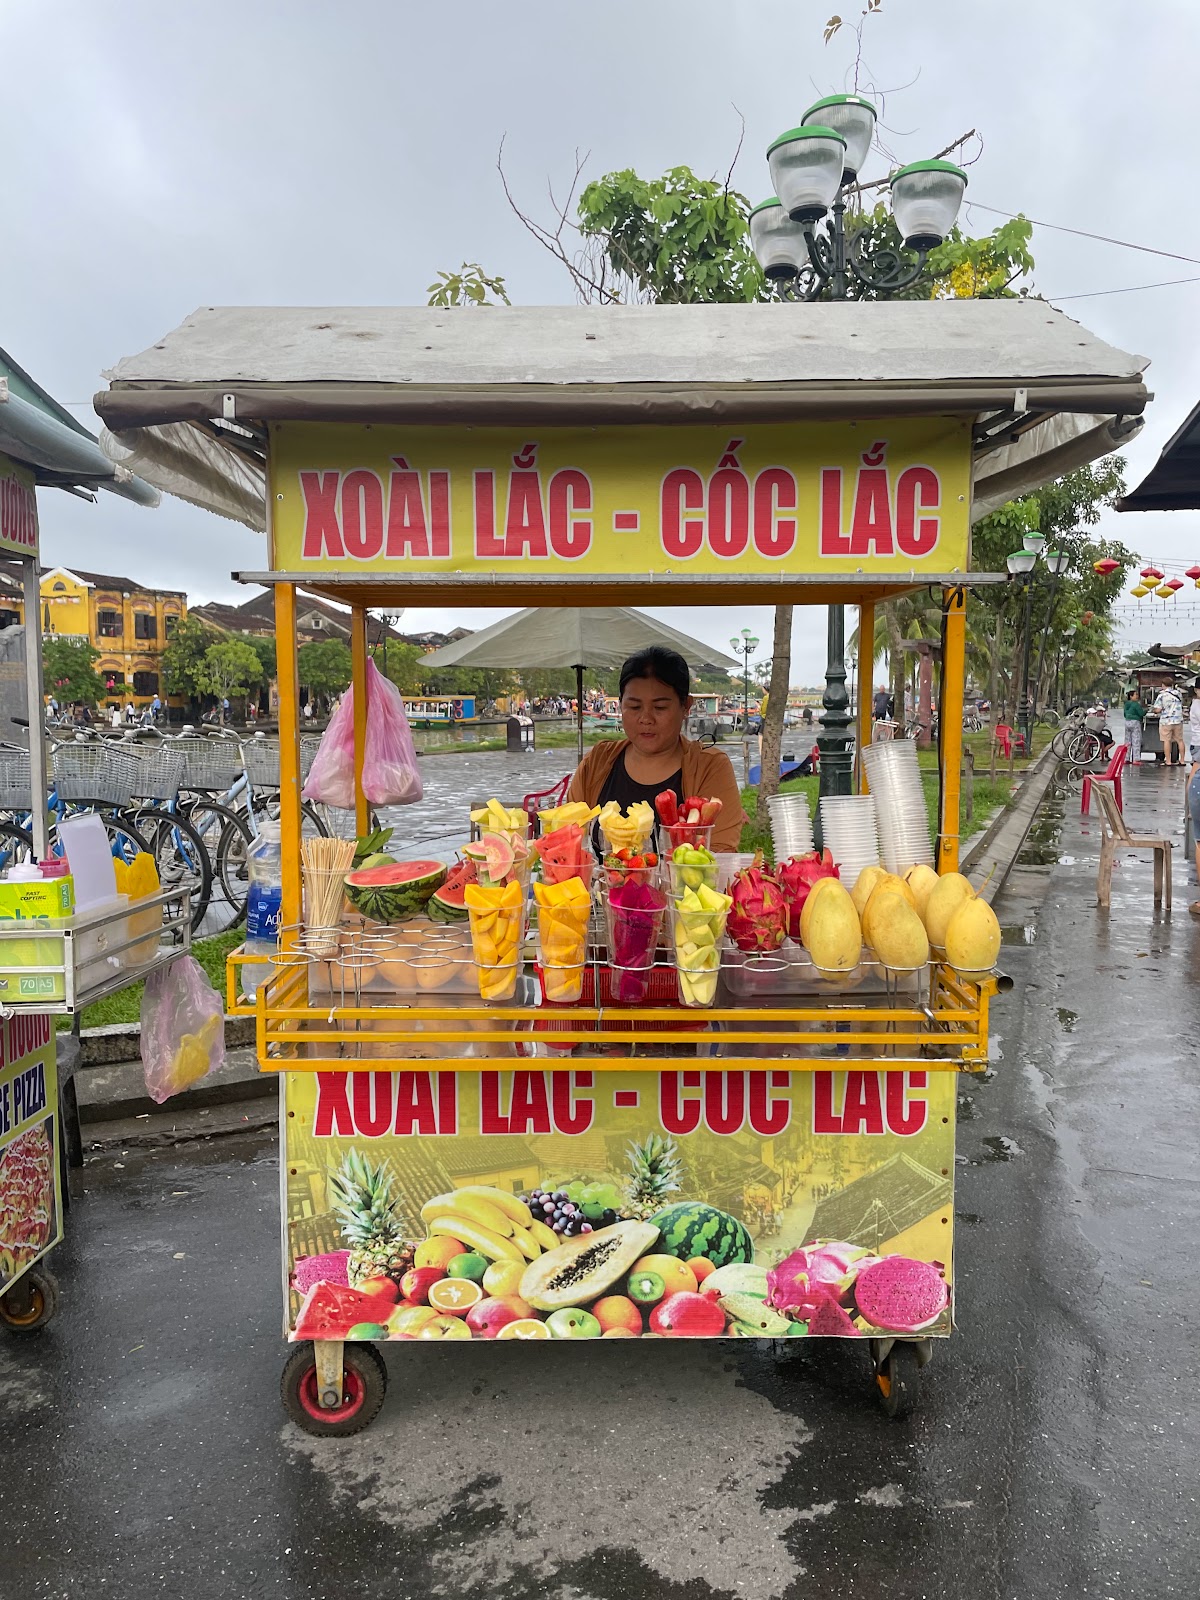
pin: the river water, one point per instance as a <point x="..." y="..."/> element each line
<point x="453" y="783"/>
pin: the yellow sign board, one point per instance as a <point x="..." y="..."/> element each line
<point x="877" y="497"/>
<point x="18" y="510"/>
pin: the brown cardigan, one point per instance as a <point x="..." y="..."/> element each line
<point x="706" y="772"/>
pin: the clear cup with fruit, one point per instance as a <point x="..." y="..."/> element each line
<point x="564" y="912"/>
<point x="496" y="916"/>
<point x="633" y="914"/>
<point x="698" y="918"/>
<point x="690" y="865"/>
<point x="627" y="865"/>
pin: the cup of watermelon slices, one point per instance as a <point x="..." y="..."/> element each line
<point x="565" y="853"/>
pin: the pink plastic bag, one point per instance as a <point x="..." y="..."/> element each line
<point x="330" y="779"/>
<point x="390" y="773"/>
<point x="183" y="1028"/>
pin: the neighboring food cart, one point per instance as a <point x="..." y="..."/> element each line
<point x="72" y="959"/>
<point x="502" y="1115"/>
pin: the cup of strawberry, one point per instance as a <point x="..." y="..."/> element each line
<point x="630" y="866"/>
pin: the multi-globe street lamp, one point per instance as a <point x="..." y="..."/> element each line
<point x="799" y="237"/>
<point x="745" y="645"/>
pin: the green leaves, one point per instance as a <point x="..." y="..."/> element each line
<point x="469" y="286"/>
<point x="324" y="666"/>
<point x="230" y="667"/>
<point x="69" y="670"/>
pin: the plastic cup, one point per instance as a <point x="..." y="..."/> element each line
<point x="704" y="930"/>
<point x="558" y="934"/>
<point x="616" y="877"/>
<point x="496" y="946"/>
<point x="697" y="833"/>
<point x="633" y="935"/>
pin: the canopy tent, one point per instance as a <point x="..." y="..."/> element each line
<point x="188" y="413"/>
<point x="578" y="637"/>
<point x="1173" y="482"/>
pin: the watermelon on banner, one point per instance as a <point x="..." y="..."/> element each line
<point x="690" y="1228"/>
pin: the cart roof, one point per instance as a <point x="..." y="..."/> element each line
<point x="1173" y="483"/>
<point x="188" y="412"/>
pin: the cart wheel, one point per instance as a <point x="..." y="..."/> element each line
<point x="897" y="1380"/>
<point x="364" y="1384"/>
<point x="31" y="1302"/>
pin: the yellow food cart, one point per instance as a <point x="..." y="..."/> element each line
<point x="777" y="1164"/>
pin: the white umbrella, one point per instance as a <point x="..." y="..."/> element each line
<point x="578" y="637"/>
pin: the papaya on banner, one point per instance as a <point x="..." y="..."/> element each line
<point x="881" y="497"/>
<point x="577" y="1204"/>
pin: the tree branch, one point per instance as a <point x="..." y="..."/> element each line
<point x="551" y="239"/>
<point x="879" y="183"/>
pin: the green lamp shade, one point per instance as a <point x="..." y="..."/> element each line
<point x="926" y="197"/>
<point x="806" y="169"/>
<point x="777" y="241"/>
<point x="853" y="116"/>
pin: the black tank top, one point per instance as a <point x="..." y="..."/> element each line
<point x="619" y="786"/>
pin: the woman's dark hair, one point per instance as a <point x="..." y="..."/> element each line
<point x="668" y="666"/>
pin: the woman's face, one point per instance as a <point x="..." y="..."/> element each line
<point x="652" y="715"/>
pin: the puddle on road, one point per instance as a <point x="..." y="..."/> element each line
<point x="967" y="1109"/>
<point x="1042" y="843"/>
<point x="1067" y="1019"/>
<point x="1001" y="1148"/>
<point x="1018" y="933"/>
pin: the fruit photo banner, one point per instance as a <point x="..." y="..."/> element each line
<point x="877" y="497"/>
<point x="570" y="1204"/>
<point x="30" y="1198"/>
<point x="18" y="510"/>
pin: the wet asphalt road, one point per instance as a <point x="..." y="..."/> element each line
<point x="1054" y="1452"/>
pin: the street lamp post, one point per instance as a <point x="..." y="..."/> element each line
<point x="814" y="168"/>
<point x="745" y="646"/>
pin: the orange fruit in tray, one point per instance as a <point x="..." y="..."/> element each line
<point x="438" y="1252"/>
<point x="455" y="1296"/>
<point x="617" y="1313"/>
<point x="677" y="1275"/>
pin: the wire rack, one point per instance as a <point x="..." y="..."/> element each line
<point x="16" y="789"/>
<point x="160" y="776"/>
<point x="95" y="773"/>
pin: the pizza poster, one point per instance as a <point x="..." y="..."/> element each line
<point x="30" y="1192"/>
<point x="580" y="1204"/>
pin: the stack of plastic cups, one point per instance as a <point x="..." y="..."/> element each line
<point x="791" y="825"/>
<point x="851" y="833"/>
<point x="895" y="779"/>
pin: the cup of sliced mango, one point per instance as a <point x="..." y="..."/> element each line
<point x="497" y="918"/>
<point x="564" y="911"/>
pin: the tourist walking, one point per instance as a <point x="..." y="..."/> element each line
<point x="1134" y="712"/>
<point x="1170" y="725"/>
<point x="1193" y="723"/>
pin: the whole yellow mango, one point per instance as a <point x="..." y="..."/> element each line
<point x="950" y="892"/>
<point x="834" y="932"/>
<point x="861" y="892"/>
<point x="973" y="937"/>
<point x="894" y="930"/>
<point x="922" y="880"/>
<point x="806" y="910"/>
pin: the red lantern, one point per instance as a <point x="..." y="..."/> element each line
<point x="1151" y="572"/>
<point x="1174" y="583"/>
<point x="1088" y="616"/>
<point x="1192" y="572"/>
<point x="1105" y="566"/>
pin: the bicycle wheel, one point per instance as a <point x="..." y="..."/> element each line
<point x="217" y="824"/>
<point x="179" y="853"/>
<point x="1084" y="749"/>
<point x="16" y="845"/>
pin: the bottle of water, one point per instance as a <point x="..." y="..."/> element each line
<point x="264" y="863"/>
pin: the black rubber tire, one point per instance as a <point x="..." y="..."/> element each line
<point x="897" y="1381"/>
<point x="180" y="855"/>
<point x="364" y="1386"/>
<point x="226" y="837"/>
<point x="16" y="844"/>
<point x="30" y="1303"/>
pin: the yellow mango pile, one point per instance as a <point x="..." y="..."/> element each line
<point x="564" y="910"/>
<point x="496" y="914"/>
<point x="902" y="919"/>
<point x="627" y="830"/>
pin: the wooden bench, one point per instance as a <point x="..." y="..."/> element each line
<point x="1115" y="832"/>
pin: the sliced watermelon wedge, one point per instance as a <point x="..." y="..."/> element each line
<point x="330" y="1310"/>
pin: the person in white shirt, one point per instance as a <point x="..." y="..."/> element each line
<point x="1193" y="723"/>
<point x="1170" y="725"/>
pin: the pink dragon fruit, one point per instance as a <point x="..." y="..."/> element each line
<point x="829" y="1321"/>
<point x="796" y="877"/>
<point x="758" y="919"/>
<point x="900" y="1294"/>
<point x="330" y="1268"/>
<point x="813" y="1274"/>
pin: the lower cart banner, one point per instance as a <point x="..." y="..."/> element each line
<point x="30" y="1196"/>
<point x="577" y="1205"/>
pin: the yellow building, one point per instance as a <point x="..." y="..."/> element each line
<point x="127" y="624"/>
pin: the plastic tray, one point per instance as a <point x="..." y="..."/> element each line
<point x="790" y="972"/>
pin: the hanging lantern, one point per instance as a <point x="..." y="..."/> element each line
<point x="1151" y="572"/>
<point x="1105" y="566"/>
<point x="1163" y="592"/>
<point x="1174" y="584"/>
<point x="1141" y="590"/>
<point x="1193" y="572"/>
<point x="1088" y="616"/>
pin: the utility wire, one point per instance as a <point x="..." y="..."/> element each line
<point x="1081" y="233"/>
<point x="1133" y="288"/>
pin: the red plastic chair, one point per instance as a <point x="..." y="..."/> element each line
<point x="1009" y="739"/>
<point x="545" y="798"/>
<point x="1111" y="774"/>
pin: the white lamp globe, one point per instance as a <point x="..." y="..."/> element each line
<point x="926" y="197"/>
<point x="1021" y="561"/>
<point x="853" y="116"/>
<point x="806" y="169"/>
<point x="777" y="241"/>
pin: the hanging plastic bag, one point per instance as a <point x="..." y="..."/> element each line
<point x="391" y="776"/>
<point x="183" y="1028"/>
<point x="330" y="779"/>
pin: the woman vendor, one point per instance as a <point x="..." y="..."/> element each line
<point x="654" y="755"/>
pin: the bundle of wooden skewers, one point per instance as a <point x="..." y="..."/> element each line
<point x="326" y="863"/>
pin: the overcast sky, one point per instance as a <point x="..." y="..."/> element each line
<point x="163" y="156"/>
